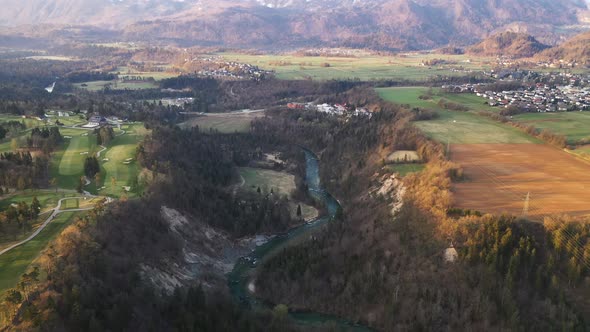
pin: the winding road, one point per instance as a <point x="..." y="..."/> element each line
<point x="57" y="210"/>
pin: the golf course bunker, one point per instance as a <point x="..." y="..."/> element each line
<point x="499" y="177"/>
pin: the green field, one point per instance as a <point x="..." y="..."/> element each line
<point x="366" y="68"/>
<point x="67" y="164"/>
<point x="281" y="182"/>
<point x="47" y="197"/>
<point x="116" y="85"/>
<point x="156" y="75"/>
<point x="452" y="126"/>
<point x="573" y="125"/>
<point x="405" y="169"/>
<point x="410" y="96"/>
<point x="223" y="122"/>
<point x="469" y="128"/>
<point x="15" y="262"/>
<point x="118" y="166"/>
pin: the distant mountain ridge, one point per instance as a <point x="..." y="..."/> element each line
<point x="377" y="24"/>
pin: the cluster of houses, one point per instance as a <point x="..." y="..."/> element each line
<point x="179" y="102"/>
<point x="539" y="98"/>
<point x="221" y="69"/>
<point x="336" y="109"/>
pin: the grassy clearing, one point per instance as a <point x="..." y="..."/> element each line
<point x="224" y="122"/>
<point x="281" y="182"/>
<point x="405" y="169"/>
<point x="366" y="68"/>
<point x="455" y="127"/>
<point x="573" y="125"/>
<point x="15" y="262"/>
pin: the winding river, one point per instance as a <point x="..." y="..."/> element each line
<point x="239" y="277"/>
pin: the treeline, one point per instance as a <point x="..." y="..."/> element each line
<point x="449" y="105"/>
<point x="46" y="139"/>
<point x="87" y="76"/>
<point x="200" y="167"/>
<point x="18" y="217"/>
<point x="104" y="135"/>
<point x="21" y="170"/>
<point x="545" y="135"/>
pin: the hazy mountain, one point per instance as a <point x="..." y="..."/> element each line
<point x="513" y="44"/>
<point x="576" y="49"/>
<point x="390" y="24"/>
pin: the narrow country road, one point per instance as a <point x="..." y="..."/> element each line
<point x="56" y="211"/>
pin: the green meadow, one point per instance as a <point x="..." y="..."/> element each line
<point x="365" y="68"/>
<point x="452" y="126"/>
<point x="573" y="125"/>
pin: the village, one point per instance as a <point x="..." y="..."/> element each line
<point x="538" y="97"/>
<point x="216" y="67"/>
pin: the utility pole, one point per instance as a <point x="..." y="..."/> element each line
<point x="525" y="209"/>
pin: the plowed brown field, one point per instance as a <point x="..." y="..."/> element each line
<point x="499" y="176"/>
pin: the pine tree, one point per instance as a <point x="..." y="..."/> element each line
<point x="35" y="208"/>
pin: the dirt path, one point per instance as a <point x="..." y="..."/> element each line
<point x="238" y="186"/>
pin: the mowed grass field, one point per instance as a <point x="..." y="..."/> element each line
<point x="573" y="125"/>
<point x="452" y="126"/>
<point x="223" y="122"/>
<point x="365" y="68"/>
<point x="15" y="262"/>
<point x="121" y="165"/>
<point x="499" y="176"/>
<point x="67" y="164"/>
